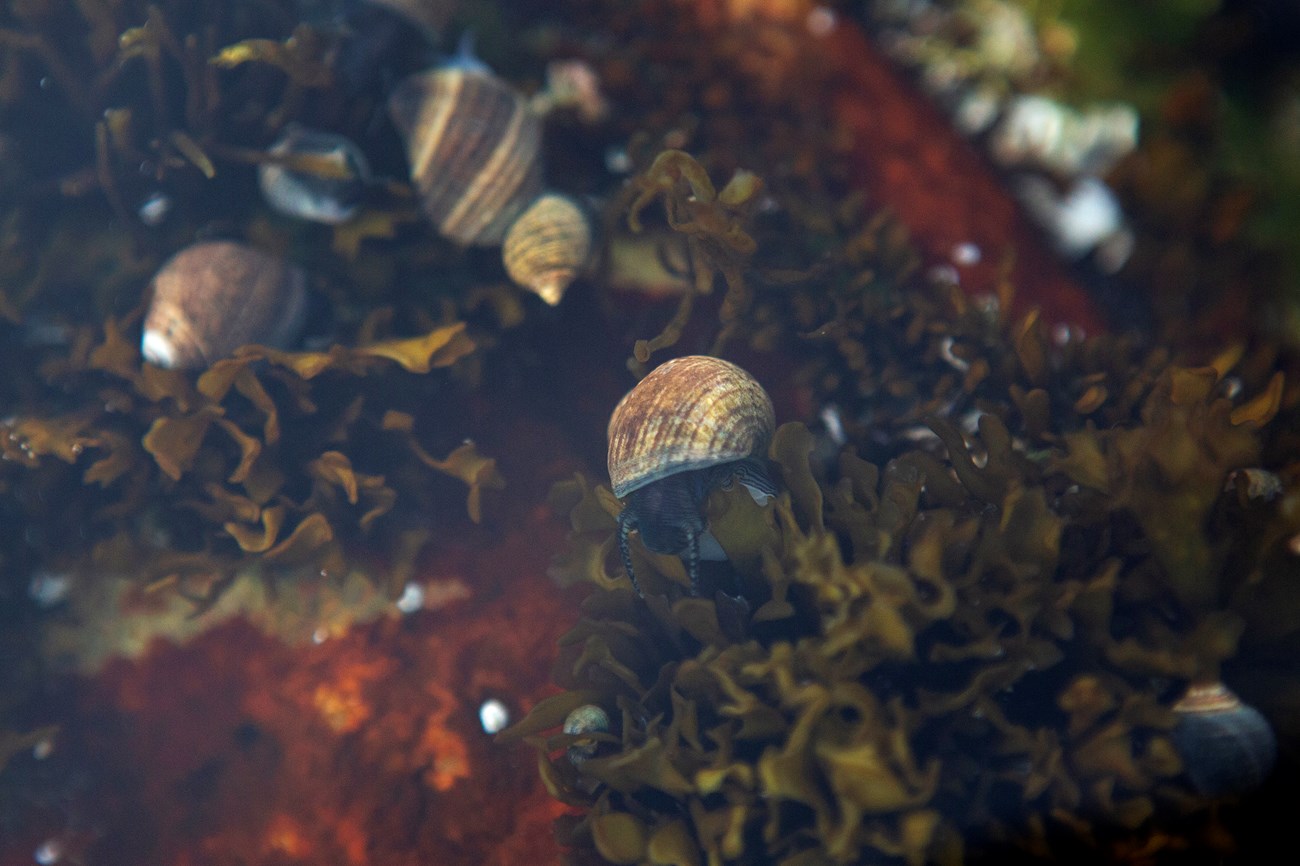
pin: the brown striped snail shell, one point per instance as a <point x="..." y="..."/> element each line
<point x="691" y="424"/>
<point x="473" y="146"/>
<point x="213" y="297"/>
<point x="548" y="246"/>
<point x="1227" y="746"/>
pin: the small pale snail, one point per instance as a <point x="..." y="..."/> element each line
<point x="548" y="246"/>
<point x="1227" y="747"/>
<point x="473" y="146"/>
<point x="330" y="196"/>
<point x="586" y="719"/>
<point x="213" y="297"/>
<point x="690" y="425"/>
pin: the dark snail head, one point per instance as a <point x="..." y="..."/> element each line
<point x="690" y="425"/>
<point x="1227" y="747"/>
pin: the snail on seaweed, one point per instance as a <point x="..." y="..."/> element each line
<point x="330" y="197"/>
<point x="213" y="297"/>
<point x="547" y="247"/>
<point x="473" y="146"/>
<point x="1227" y="747"/>
<point x="690" y="425"/>
<point x="586" y="719"/>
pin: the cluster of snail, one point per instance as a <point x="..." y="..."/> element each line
<point x="473" y="147"/>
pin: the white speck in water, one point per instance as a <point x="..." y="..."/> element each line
<point x="617" y="161"/>
<point x="48" y="589"/>
<point x="412" y="598"/>
<point x="49" y="852"/>
<point x="493" y="716"/>
<point x="320" y="635"/>
<point x="154" y="209"/>
<point x="821" y="21"/>
<point x="830" y="416"/>
<point x="43" y="749"/>
<point x="966" y="254"/>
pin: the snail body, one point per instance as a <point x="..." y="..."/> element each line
<point x="315" y="197"/>
<point x="213" y="297"/>
<point x="689" y="426"/>
<point x="1227" y="746"/>
<point x="548" y="246"/>
<point x="473" y="146"/>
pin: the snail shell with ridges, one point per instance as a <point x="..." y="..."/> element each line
<point x="691" y="424"/>
<point x="474" y="149"/>
<point x="548" y="246"/>
<point x="586" y="719"/>
<point x="331" y="200"/>
<point x="688" y="413"/>
<point x="1227" y="746"/>
<point x="213" y="297"/>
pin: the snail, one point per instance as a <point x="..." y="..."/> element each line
<point x="473" y="146"/>
<point x="586" y="719"/>
<point x="213" y="297"/>
<point x="1227" y="747"/>
<point x="329" y="197"/>
<point x="689" y="426"/>
<point x="546" y="248"/>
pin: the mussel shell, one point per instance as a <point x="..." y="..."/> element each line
<point x="548" y="246"/>
<point x="313" y="197"/>
<point x="688" y="413"/>
<point x="213" y="297"/>
<point x="474" y="150"/>
<point x="1228" y="747"/>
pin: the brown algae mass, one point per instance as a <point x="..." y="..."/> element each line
<point x="969" y="642"/>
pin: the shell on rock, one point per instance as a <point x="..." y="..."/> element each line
<point x="474" y="150"/>
<point x="688" y="413"/>
<point x="213" y="297"/>
<point x="1227" y="746"/>
<point x="548" y="246"/>
<point x="316" y="197"/>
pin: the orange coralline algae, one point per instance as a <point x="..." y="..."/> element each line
<point x="364" y="748"/>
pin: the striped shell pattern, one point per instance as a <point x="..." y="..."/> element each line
<point x="473" y="146"/>
<point x="548" y="246"/>
<point x="688" y="413"/>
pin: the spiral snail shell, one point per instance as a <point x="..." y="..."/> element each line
<point x="213" y="297"/>
<point x="1227" y="746"/>
<point x="688" y="426"/>
<point x="547" y="247"/>
<point x="330" y="200"/>
<point x="473" y="146"/>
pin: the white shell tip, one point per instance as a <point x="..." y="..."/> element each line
<point x="158" y="349"/>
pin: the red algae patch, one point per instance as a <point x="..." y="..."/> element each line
<point x="365" y="748"/>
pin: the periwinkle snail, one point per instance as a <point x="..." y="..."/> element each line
<point x="213" y="297"/>
<point x="473" y="147"/>
<point x="329" y="198"/>
<point x="1227" y="747"/>
<point x="689" y="426"/>
<point x="586" y="719"/>
<point x="547" y="247"/>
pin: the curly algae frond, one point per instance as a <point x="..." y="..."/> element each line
<point x="972" y="642"/>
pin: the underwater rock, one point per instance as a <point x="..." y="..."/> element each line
<point x="213" y="297"/>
